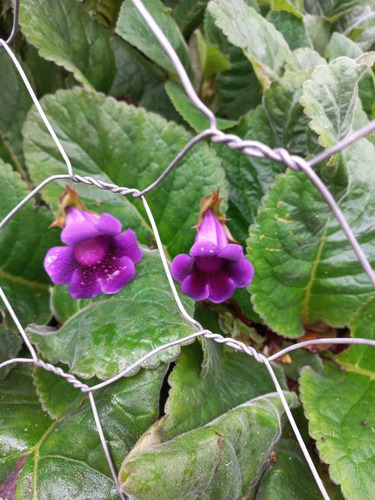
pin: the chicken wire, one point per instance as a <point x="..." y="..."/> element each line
<point x="251" y="148"/>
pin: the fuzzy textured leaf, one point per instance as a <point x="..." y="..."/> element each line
<point x="217" y="461"/>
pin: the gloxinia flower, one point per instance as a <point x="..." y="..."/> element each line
<point x="215" y="267"/>
<point x="98" y="258"/>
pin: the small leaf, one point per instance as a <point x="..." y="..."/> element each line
<point x="189" y="112"/>
<point x="327" y="8"/>
<point x="109" y="333"/>
<point x="291" y="27"/>
<point x="217" y="461"/>
<point x="195" y="400"/>
<point x="264" y="46"/>
<point x="329" y="99"/>
<point x="132" y="27"/>
<point x="292" y="6"/>
<point x="303" y="60"/>
<point x="67" y="456"/>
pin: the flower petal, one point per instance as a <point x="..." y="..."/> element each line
<point x="84" y="284"/>
<point x="195" y="285"/>
<point x="81" y="225"/>
<point x="221" y="288"/>
<point x="122" y="274"/>
<point x="241" y="272"/>
<point x="125" y="245"/>
<point x="204" y="249"/>
<point x="232" y="252"/>
<point x="60" y="265"/>
<point x="211" y="229"/>
<point x="182" y="266"/>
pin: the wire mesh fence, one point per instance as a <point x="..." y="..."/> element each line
<point x="249" y="147"/>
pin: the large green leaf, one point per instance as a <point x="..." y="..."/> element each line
<point x="24" y="242"/>
<point x="15" y="102"/>
<point x="63" y="32"/>
<point x="305" y="270"/>
<point x="265" y="47"/>
<point x="291" y="27"/>
<point x="67" y="456"/>
<point x="329" y="99"/>
<point x="248" y="178"/>
<point x="340" y="408"/>
<point x="127" y="146"/>
<point x="188" y="13"/>
<point x="110" y="332"/>
<point x="132" y="27"/>
<point x="214" y="462"/>
<point x="194" y="400"/>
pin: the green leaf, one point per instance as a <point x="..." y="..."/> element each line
<point x="264" y="46"/>
<point x="218" y="461"/>
<point x="248" y="178"/>
<point x="67" y="456"/>
<point x="299" y="359"/>
<point x="327" y="8"/>
<point x="15" y="102"/>
<point x="340" y="409"/>
<point x="10" y="346"/>
<point x="24" y="241"/>
<point x="292" y="6"/>
<point x="238" y="89"/>
<point x="188" y="14"/>
<point x="189" y="112"/>
<point x="285" y="113"/>
<point x="305" y="270"/>
<point x="288" y="477"/>
<point x="127" y="146"/>
<point x="304" y="59"/>
<point x="46" y="75"/>
<point x="63" y="32"/>
<point x="318" y="30"/>
<point x="340" y="45"/>
<point x="110" y="332"/>
<point x="132" y="27"/>
<point x="329" y="99"/>
<point x="105" y="11"/>
<point x="291" y="27"/>
<point x="195" y="400"/>
<point x="57" y="397"/>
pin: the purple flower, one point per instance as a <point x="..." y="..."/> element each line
<point x="215" y="268"/>
<point x="98" y="258"/>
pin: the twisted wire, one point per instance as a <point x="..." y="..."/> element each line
<point x="251" y="148"/>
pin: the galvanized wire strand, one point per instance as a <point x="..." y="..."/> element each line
<point x="294" y="426"/>
<point x="171" y="53"/>
<point x="104" y="445"/>
<point x="307" y="343"/>
<point x="16" y="10"/>
<point x="38" y="106"/>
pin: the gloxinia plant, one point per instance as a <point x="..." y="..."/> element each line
<point x="98" y="258"/>
<point x="215" y="267"/>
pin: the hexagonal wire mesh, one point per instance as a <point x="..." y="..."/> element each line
<point x="251" y="148"/>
